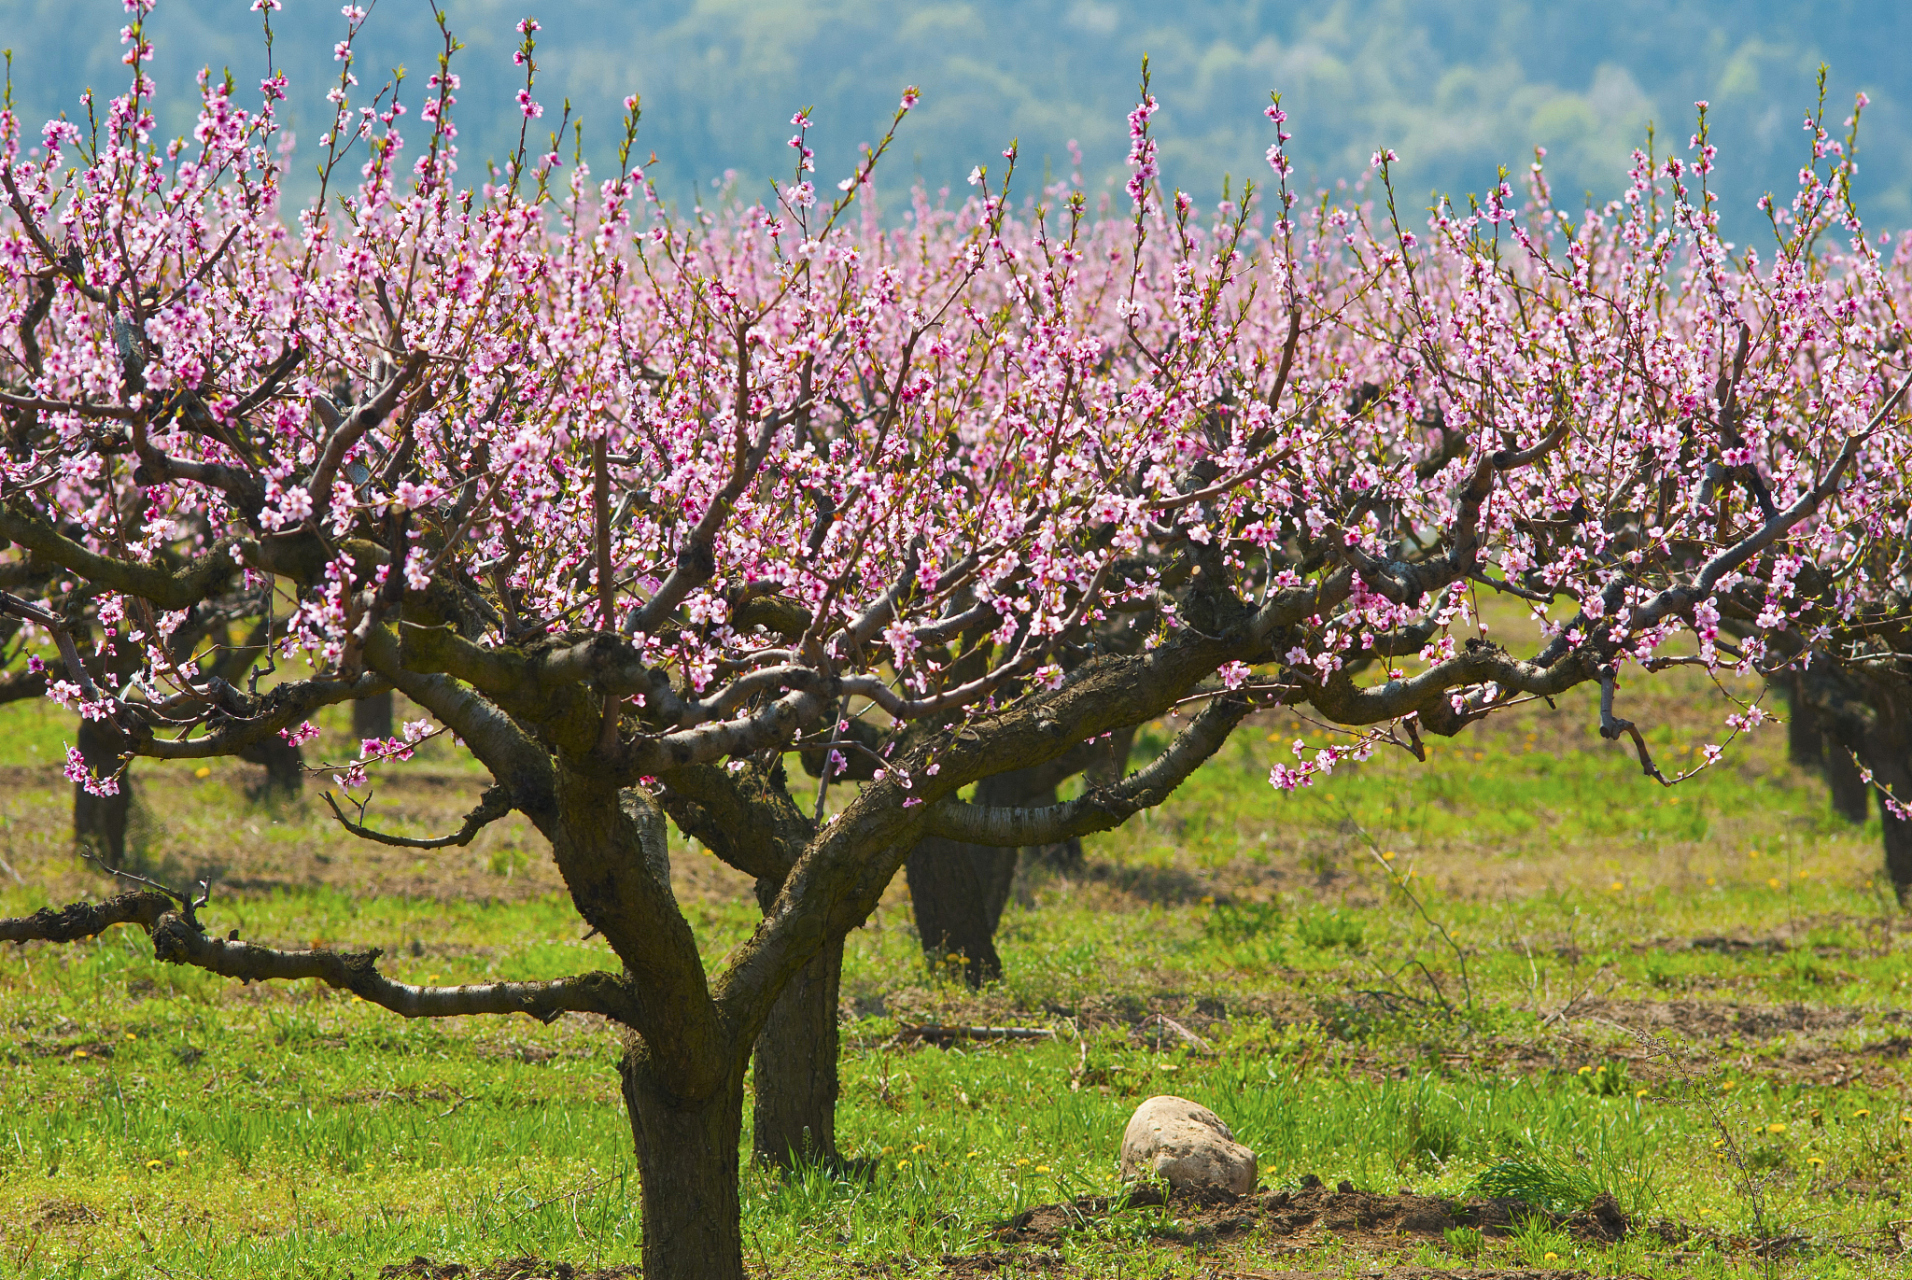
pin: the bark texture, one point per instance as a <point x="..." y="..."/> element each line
<point x="957" y="893"/>
<point x="1805" y="739"/>
<point x="795" y="1082"/>
<point x="687" y="1152"/>
<point x="1894" y="770"/>
<point x="372" y="717"/>
<point x="1848" y="788"/>
<point x="958" y="889"/>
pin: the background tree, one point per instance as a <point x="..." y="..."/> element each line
<point x="634" y="507"/>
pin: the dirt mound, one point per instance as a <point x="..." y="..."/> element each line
<point x="1358" y="1218"/>
<point x="503" y="1269"/>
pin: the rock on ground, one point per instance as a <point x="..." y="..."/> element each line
<point x="1186" y="1145"/>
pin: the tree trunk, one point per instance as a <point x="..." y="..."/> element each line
<point x="1886" y="754"/>
<point x="795" y="1081"/>
<point x="284" y="766"/>
<point x="99" y="822"/>
<point x="1898" y="840"/>
<point x="687" y="1154"/>
<point x="1849" y="790"/>
<point x="372" y="717"/>
<point x="1805" y="740"/>
<point x="957" y="892"/>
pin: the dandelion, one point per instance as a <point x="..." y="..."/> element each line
<point x="1772" y="882"/>
<point x="131" y="1036"/>
<point x="1021" y="1161"/>
<point x="1727" y="1086"/>
<point x="1775" y="1127"/>
<point x="1042" y="1168"/>
<point x="902" y="1164"/>
<point x="972" y="1155"/>
<point x="1388" y="856"/>
<point x="1552" y="1257"/>
<point x="1641" y="1093"/>
<point x="183" y="1153"/>
<point x="1617" y="886"/>
<point x="919" y="1148"/>
<point x="1586" y="1071"/>
<point x="203" y="771"/>
<point x="155" y="1164"/>
<point x="1861" y="1113"/>
<point x="1814" y="1161"/>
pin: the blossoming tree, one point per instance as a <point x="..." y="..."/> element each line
<point x="635" y="506"/>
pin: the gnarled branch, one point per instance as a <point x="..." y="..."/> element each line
<point x="79" y="920"/>
<point x="177" y="942"/>
<point x="495" y="804"/>
<point x="1101" y="808"/>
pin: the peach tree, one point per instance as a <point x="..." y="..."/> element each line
<point x="636" y="506"/>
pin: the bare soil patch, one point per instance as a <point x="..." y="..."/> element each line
<point x="422" y="1268"/>
<point x="1314" y="1214"/>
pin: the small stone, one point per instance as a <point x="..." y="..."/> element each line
<point x="1186" y="1145"/>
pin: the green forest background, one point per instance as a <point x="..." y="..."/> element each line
<point x="1457" y="87"/>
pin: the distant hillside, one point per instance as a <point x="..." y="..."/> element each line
<point x="1455" y="86"/>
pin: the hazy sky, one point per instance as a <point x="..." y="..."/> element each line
<point x="1457" y="87"/>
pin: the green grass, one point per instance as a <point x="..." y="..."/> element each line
<point x="160" y="1122"/>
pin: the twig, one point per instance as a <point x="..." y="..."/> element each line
<point x="1400" y="882"/>
<point x="495" y="804"/>
<point x="1188" y="1037"/>
<point x="584" y="1190"/>
<point x="188" y="905"/>
<point x="934" y="1033"/>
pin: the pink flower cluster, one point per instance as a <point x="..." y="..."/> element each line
<point x="955" y="443"/>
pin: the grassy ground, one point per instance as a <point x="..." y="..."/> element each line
<point x="1519" y="964"/>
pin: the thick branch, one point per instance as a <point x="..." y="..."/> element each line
<point x="245" y="722"/>
<point x="740" y="816"/>
<point x="177" y="942"/>
<point x="513" y="758"/>
<point x="202" y="578"/>
<point x="80" y="920"/>
<point x="353" y="428"/>
<point x="1101" y="808"/>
